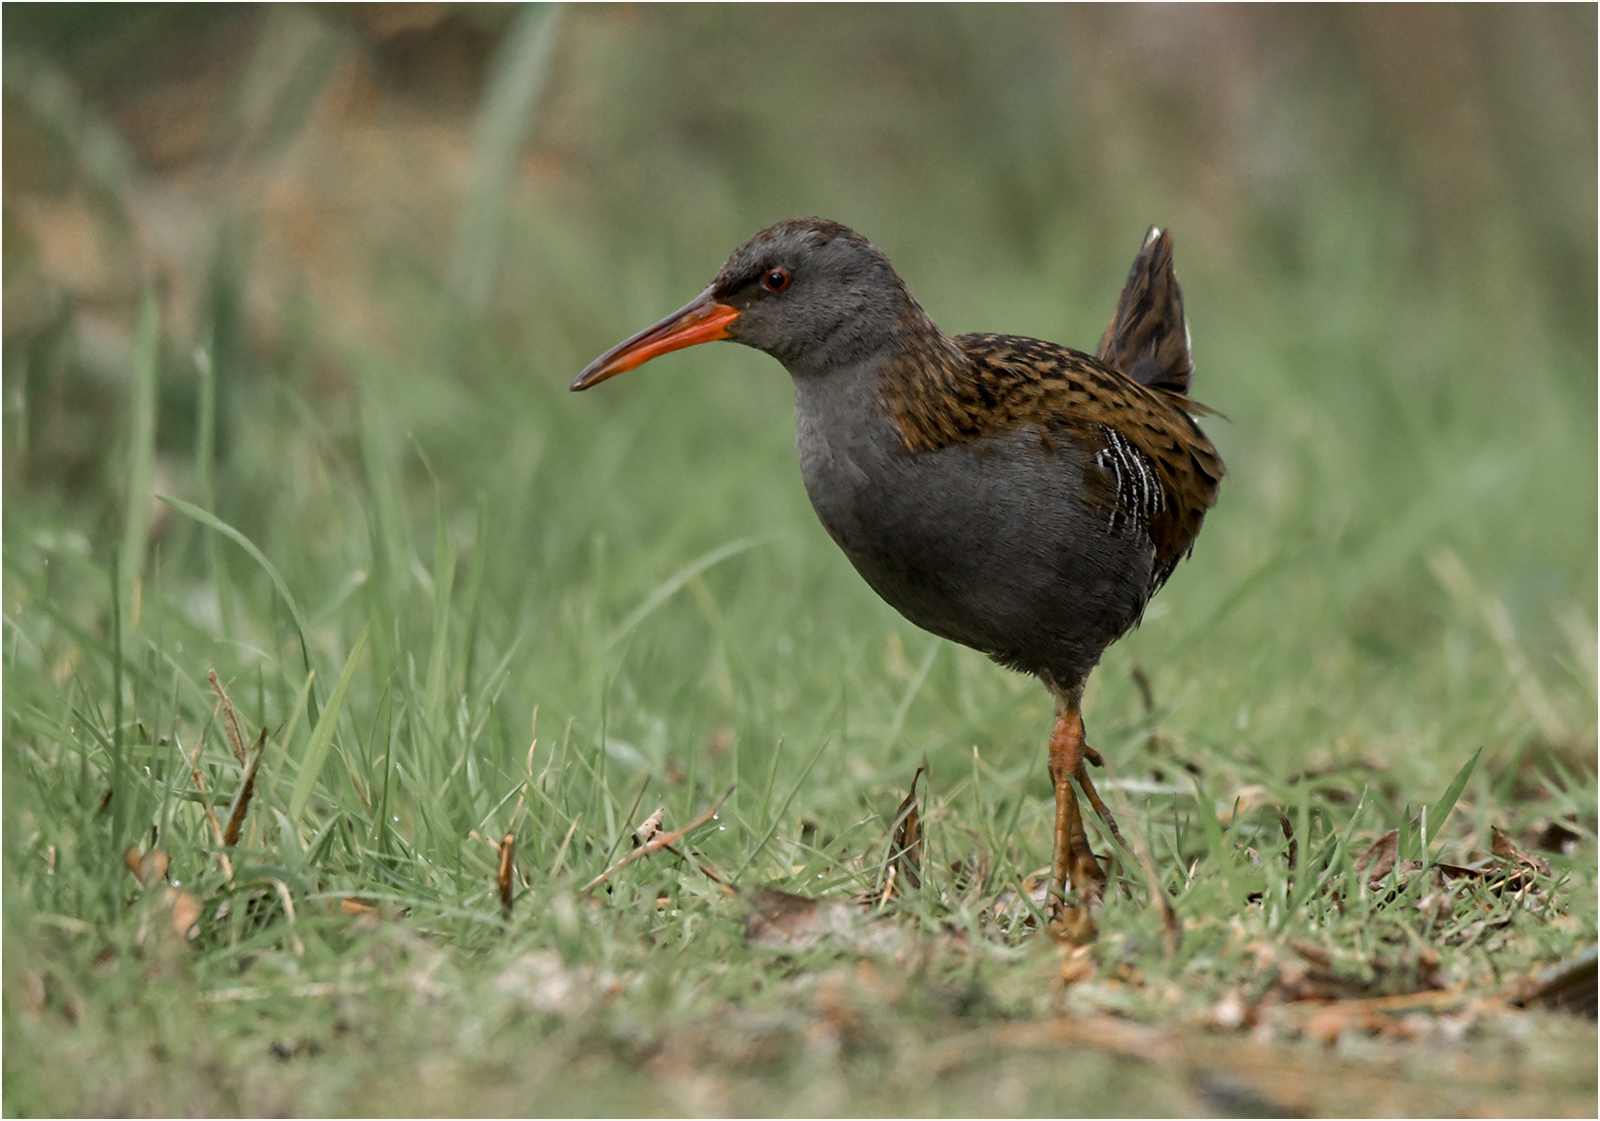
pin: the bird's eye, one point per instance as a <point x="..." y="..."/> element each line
<point x="776" y="280"/>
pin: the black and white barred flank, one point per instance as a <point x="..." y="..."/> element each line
<point x="1139" y="497"/>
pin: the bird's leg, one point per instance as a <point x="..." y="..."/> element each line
<point x="1100" y="808"/>
<point x="1074" y="862"/>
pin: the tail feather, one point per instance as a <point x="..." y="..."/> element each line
<point x="1148" y="338"/>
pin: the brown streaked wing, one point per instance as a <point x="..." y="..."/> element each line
<point x="1008" y="381"/>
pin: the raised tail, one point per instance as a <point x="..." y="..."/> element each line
<point x="1148" y="338"/>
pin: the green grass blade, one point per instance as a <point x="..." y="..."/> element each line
<point x="119" y="790"/>
<point x="205" y="461"/>
<point x="211" y="521"/>
<point x="322" y="735"/>
<point x="141" y="449"/>
<point x="293" y="725"/>
<point x="1216" y="842"/>
<point x="898" y="720"/>
<point x="1447" y="802"/>
<point x="777" y="818"/>
<point x="444" y="578"/>
<point x="674" y="584"/>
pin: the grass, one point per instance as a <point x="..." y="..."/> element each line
<point x="465" y="604"/>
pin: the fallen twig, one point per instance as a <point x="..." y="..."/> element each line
<point x="659" y="841"/>
<point x="247" y="788"/>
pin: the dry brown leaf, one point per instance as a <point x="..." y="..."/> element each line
<point x="1438" y="904"/>
<point x="1288" y="835"/>
<point x="185" y="912"/>
<point x="1379" y="860"/>
<point x="149" y="868"/>
<point x="180" y="910"/>
<point x="782" y="919"/>
<point x="650" y="826"/>
<point x="1502" y="846"/>
<point x="503" y="873"/>
<point x="1077" y="963"/>
<point x="1074" y="926"/>
<point x="904" y="861"/>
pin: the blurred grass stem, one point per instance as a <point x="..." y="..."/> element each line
<point x="516" y="76"/>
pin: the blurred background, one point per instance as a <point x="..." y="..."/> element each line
<point x="379" y="241"/>
<point x="324" y="273"/>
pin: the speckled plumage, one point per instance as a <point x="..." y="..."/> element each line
<point x="995" y="383"/>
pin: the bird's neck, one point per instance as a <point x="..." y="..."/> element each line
<point x="928" y="386"/>
<point x="898" y="366"/>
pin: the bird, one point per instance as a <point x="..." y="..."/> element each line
<point x="1013" y="495"/>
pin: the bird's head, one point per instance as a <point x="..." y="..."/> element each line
<point x="812" y="293"/>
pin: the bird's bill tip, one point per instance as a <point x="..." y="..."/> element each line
<point x="702" y="320"/>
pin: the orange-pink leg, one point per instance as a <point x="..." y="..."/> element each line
<point x="1100" y="808"/>
<point x="1075" y="863"/>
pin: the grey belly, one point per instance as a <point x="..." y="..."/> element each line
<point x="988" y="544"/>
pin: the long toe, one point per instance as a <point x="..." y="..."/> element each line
<point x="1075" y="863"/>
<point x="1102" y="811"/>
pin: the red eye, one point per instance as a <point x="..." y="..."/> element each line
<point x="776" y="280"/>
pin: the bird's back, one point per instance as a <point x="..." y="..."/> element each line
<point x="1013" y="494"/>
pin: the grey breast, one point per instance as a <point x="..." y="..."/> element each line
<point x="990" y="543"/>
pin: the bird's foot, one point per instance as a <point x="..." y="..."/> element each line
<point x="1102" y="811"/>
<point x="1075" y="862"/>
<point x="1073" y="926"/>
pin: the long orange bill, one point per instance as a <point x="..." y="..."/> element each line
<point x="702" y="320"/>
